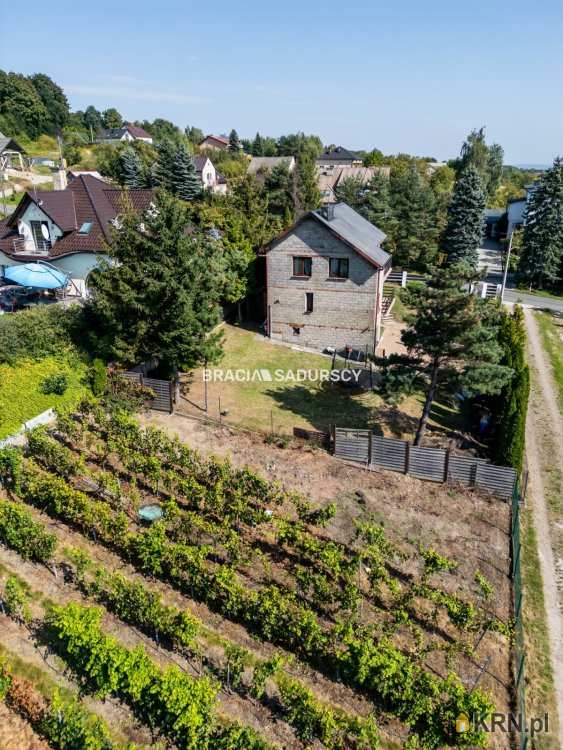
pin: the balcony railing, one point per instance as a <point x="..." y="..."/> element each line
<point x="24" y="246"/>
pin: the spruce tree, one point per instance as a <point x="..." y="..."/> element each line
<point x="542" y="250"/>
<point x="131" y="168"/>
<point x="308" y="193"/>
<point x="163" y="171"/>
<point x="186" y="184"/>
<point x="234" y="142"/>
<point x="451" y="340"/>
<point x="257" y="146"/>
<point x="466" y="219"/>
<point x="279" y="191"/>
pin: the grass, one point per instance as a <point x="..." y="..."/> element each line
<point x="551" y="330"/>
<point x="20" y="391"/>
<point x="45" y="145"/>
<point x="280" y="406"/>
<point x="540" y="689"/>
<point x="540" y="293"/>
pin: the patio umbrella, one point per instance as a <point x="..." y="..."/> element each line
<point x="36" y="275"/>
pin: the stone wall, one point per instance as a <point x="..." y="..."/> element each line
<point x="343" y="309"/>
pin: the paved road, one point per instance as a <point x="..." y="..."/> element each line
<point x="531" y="300"/>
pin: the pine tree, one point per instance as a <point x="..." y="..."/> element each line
<point x="185" y="183"/>
<point x="257" y="146"/>
<point x="308" y="193"/>
<point x="466" y="219"/>
<point x="234" y="141"/>
<point x="131" y="168"/>
<point x="542" y="250"/>
<point x="451" y="340"/>
<point x="279" y="191"/>
<point x="162" y="174"/>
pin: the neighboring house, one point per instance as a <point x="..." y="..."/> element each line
<point x="127" y="133"/>
<point x="262" y="165"/>
<point x="516" y="209"/>
<point x="330" y="178"/>
<point x="72" y="174"/>
<point x="216" y="142"/>
<point x="339" y="157"/>
<point x="11" y="153"/>
<point x="210" y="178"/>
<point x="68" y="228"/>
<point x="325" y="281"/>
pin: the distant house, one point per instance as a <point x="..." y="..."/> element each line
<point x="126" y="133"/>
<point x="330" y="178"/>
<point x="217" y="142"/>
<point x="72" y="174"/>
<point x="516" y="209"/>
<point x="68" y="228"/>
<point x="339" y="157"/>
<point x="325" y="281"/>
<point x="210" y="178"/>
<point x="11" y="153"/>
<point x="262" y="165"/>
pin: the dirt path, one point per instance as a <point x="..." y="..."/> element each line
<point x="544" y="413"/>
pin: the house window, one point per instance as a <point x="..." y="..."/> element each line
<point x="296" y="330"/>
<point x="302" y="266"/>
<point x="338" y="268"/>
<point x="309" y="302"/>
<point x="40" y="232"/>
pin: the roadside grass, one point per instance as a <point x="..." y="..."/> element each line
<point x="540" y="689"/>
<point x="539" y="293"/>
<point x="20" y="390"/>
<point x="551" y="330"/>
<point x="274" y="406"/>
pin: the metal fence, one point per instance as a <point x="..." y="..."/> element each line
<point x="433" y="464"/>
<point x="164" y="390"/>
<point x="519" y="651"/>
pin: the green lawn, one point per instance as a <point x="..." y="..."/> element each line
<point x="20" y="391"/>
<point x="551" y="329"/>
<point x="259" y="404"/>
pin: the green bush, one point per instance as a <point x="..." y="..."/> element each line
<point x="57" y="384"/>
<point x="38" y="333"/>
<point x="98" y="377"/>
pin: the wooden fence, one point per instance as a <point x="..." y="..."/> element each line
<point x="165" y="390"/>
<point x="433" y="464"/>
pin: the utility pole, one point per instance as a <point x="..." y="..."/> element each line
<point x="506" y="267"/>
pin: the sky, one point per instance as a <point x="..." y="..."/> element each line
<point x="401" y="75"/>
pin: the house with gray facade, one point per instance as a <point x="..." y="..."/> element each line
<point x="325" y="278"/>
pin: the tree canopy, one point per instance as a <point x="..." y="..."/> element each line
<point x="466" y="219"/>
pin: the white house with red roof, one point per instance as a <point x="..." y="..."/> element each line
<point x="67" y="228"/>
<point x="127" y="133"/>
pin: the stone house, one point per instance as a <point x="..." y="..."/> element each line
<point x="325" y="278"/>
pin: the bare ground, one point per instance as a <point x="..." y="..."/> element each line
<point x="16" y="734"/>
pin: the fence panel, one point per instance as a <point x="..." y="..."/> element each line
<point x="352" y="444"/>
<point x="501" y="480"/>
<point x="389" y="453"/>
<point x="163" y="400"/>
<point x="462" y="469"/>
<point x="427" y="463"/>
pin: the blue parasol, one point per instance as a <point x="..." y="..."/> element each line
<point x="36" y="275"/>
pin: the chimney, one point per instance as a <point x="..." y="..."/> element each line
<point x="60" y="180"/>
<point x="327" y="211"/>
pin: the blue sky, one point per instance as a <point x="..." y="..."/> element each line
<point x="400" y="75"/>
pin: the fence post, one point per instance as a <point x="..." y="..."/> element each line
<point x="407" y="457"/>
<point x="171" y="395"/>
<point x="447" y="464"/>
<point x="370" y="435"/>
<point x="403" y="279"/>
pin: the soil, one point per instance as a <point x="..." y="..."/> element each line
<point x="16" y="734"/>
<point x="544" y="452"/>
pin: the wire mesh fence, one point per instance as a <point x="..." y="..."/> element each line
<point x="519" y="647"/>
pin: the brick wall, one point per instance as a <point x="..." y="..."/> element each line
<point x="343" y="309"/>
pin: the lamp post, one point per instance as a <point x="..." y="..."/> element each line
<point x="506" y="267"/>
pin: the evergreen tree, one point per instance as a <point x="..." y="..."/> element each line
<point x="308" y="193"/>
<point x="466" y="219"/>
<point x="163" y="172"/>
<point x="487" y="160"/>
<point x="185" y="183"/>
<point x="131" y="168"/>
<point x="159" y="294"/>
<point x="451" y="340"/>
<point x="257" y="146"/>
<point x="542" y="250"/>
<point x="234" y="141"/>
<point x="511" y="407"/>
<point x="279" y="192"/>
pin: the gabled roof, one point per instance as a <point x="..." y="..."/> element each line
<point x="349" y="227"/>
<point x="266" y="163"/>
<point x="136" y="131"/>
<point x="219" y="138"/>
<point x="9" y="144"/>
<point x="116" y="134"/>
<point x="337" y="154"/>
<point x="86" y="199"/>
<point x="200" y="162"/>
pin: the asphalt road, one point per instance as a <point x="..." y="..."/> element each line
<point x="541" y="303"/>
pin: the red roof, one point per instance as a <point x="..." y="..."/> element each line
<point x="136" y="131"/>
<point x="86" y="199"/>
<point x="219" y="138"/>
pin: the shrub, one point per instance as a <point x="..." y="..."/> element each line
<point x="38" y="333"/>
<point x="98" y="377"/>
<point x="56" y="384"/>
